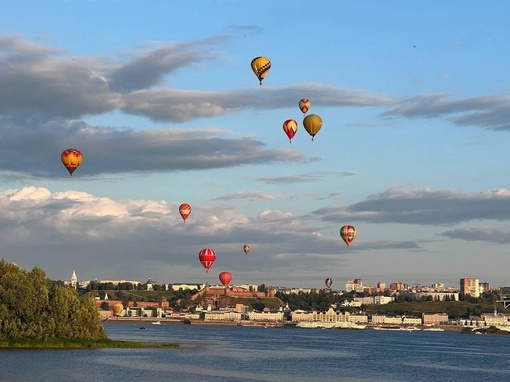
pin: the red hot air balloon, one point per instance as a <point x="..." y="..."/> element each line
<point x="225" y="278"/>
<point x="328" y="282"/>
<point x="207" y="257"/>
<point x="184" y="210"/>
<point x="290" y="127"/>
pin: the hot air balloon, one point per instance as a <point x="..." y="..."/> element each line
<point x="71" y="159"/>
<point x="290" y="127"/>
<point x="260" y="66"/>
<point x="348" y="234"/>
<point x="312" y="124"/>
<point x="328" y="282"/>
<point x="117" y="308"/>
<point x="304" y="105"/>
<point x="246" y="249"/>
<point x="207" y="257"/>
<point x="225" y="278"/>
<point x="184" y="210"/>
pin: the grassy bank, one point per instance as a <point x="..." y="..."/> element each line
<point x="64" y="343"/>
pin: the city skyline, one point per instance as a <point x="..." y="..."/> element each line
<point x="385" y="285"/>
<point x="163" y="104"/>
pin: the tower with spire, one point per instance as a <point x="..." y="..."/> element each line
<point x="74" y="280"/>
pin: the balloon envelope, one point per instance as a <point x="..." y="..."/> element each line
<point x="290" y="127"/>
<point x="184" y="210"/>
<point x="118" y="308"/>
<point x="348" y="234"/>
<point x="304" y="105"/>
<point x="260" y="66"/>
<point x="312" y="124"/>
<point x="71" y="159"/>
<point x="246" y="248"/>
<point x="328" y="282"/>
<point x="225" y="278"/>
<point x="207" y="257"/>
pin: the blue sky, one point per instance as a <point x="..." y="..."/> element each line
<point x="160" y="98"/>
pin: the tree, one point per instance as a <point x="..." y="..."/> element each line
<point x="31" y="306"/>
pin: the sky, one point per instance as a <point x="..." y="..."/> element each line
<point x="161" y="100"/>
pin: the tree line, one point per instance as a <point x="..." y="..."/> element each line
<point x="32" y="306"/>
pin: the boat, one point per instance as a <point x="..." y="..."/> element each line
<point x="329" y="325"/>
<point x="433" y="330"/>
<point x="388" y="328"/>
<point x="156" y="322"/>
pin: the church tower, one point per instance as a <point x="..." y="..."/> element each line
<point x="74" y="280"/>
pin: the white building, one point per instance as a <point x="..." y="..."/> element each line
<point x="355" y="285"/>
<point x="74" y="280"/>
<point x="374" y="300"/>
<point x="265" y="316"/>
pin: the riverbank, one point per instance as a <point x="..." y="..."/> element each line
<point x="67" y="343"/>
<point x="168" y="321"/>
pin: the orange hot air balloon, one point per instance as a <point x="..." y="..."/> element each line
<point x="246" y="249"/>
<point x="71" y="159"/>
<point x="290" y="127"/>
<point x="207" y="257"/>
<point x="225" y="278"/>
<point x="184" y="210"/>
<point x="117" y="308"/>
<point x="260" y="66"/>
<point x="348" y="234"/>
<point x="328" y="282"/>
<point x="304" y="105"/>
<point x="312" y="124"/>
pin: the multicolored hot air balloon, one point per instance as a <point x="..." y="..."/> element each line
<point x="260" y="66"/>
<point x="225" y="278"/>
<point x="290" y="127"/>
<point x="348" y="234"/>
<point x="304" y="105"/>
<point x="184" y="210"/>
<point x="246" y="249"/>
<point x="207" y="257"/>
<point x="71" y="159"/>
<point x="328" y="282"/>
<point x="312" y="124"/>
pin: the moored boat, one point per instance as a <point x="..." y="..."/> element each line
<point x="330" y="325"/>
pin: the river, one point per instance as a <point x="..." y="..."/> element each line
<point x="235" y="354"/>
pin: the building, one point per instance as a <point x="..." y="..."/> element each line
<point x="184" y="286"/>
<point x="434" y="319"/>
<point x="74" y="280"/>
<point x="495" y="319"/>
<point x="117" y="282"/>
<point x="469" y="287"/>
<point x="485" y="287"/>
<point x="73" y="283"/>
<point x="398" y="286"/>
<point x="374" y="300"/>
<point x="355" y="285"/>
<point x="265" y="316"/>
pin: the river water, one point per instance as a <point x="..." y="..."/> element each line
<point x="235" y="354"/>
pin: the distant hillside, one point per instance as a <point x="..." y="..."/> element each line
<point x="269" y="302"/>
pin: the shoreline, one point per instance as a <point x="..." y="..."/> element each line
<point x="173" y="321"/>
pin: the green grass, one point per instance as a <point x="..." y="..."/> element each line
<point x="64" y="343"/>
